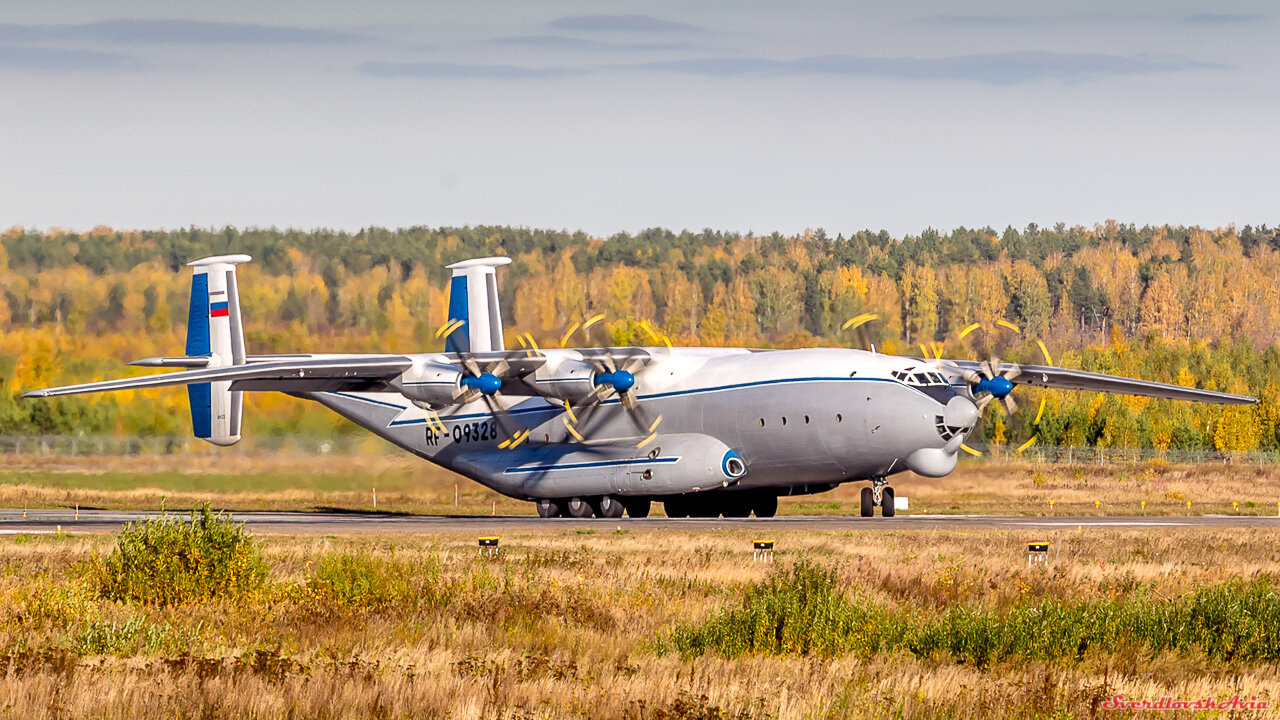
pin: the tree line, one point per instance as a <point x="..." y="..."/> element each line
<point x="1178" y="304"/>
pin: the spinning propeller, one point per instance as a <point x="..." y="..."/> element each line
<point x="615" y="376"/>
<point x="483" y="381"/>
<point x="993" y="378"/>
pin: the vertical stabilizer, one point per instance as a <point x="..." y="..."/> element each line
<point x="214" y="331"/>
<point x="473" y="301"/>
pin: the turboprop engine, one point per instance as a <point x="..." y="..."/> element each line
<point x="431" y="385"/>
<point x="564" y="377"/>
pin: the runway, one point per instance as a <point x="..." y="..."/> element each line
<point x="100" y="521"/>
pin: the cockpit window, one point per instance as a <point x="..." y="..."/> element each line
<point x="919" y="378"/>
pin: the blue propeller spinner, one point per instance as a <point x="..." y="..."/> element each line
<point x="620" y="380"/>
<point x="998" y="387"/>
<point x="486" y="382"/>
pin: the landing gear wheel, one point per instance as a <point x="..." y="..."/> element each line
<point x="886" y="503"/>
<point x="765" y="506"/>
<point x="550" y="507"/>
<point x="578" y="508"/>
<point x="868" y="503"/>
<point x="607" y="506"/>
<point x="637" y="507"/>
<point x="878" y="487"/>
<point x="676" y="508"/>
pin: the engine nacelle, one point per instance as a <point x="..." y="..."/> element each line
<point x="429" y="384"/>
<point x="564" y="378"/>
<point x="932" y="462"/>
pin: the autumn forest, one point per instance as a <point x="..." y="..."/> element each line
<point x="1184" y="305"/>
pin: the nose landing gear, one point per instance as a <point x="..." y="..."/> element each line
<point x="878" y="495"/>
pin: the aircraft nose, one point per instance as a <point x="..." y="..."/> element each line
<point x="960" y="413"/>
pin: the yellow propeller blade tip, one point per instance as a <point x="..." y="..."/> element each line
<point x="655" y="424"/>
<point x="970" y="450"/>
<point x="1026" y="444"/>
<point x="647" y="440"/>
<point x="969" y="329"/>
<point x="1045" y="350"/>
<point x="532" y="343"/>
<point x="448" y="327"/>
<point x="569" y="409"/>
<point x="592" y="321"/>
<point x="572" y="430"/>
<point x="1009" y="325"/>
<point x="1040" y="413"/>
<point x="859" y="320"/>
<point x="564" y="341"/>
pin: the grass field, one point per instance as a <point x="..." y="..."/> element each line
<point x="660" y="624"/>
<point x="405" y="484"/>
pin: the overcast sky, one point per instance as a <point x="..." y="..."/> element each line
<point x="608" y="116"/>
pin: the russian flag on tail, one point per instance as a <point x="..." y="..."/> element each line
<point x="219" y="309"/>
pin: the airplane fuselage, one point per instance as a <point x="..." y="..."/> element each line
<point x="801" y="420"/>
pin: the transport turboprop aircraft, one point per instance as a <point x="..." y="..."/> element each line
<point x="600" y="431"/>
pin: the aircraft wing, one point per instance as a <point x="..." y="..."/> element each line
<point x="287" y="375"/>
<point x="1064" y="379"/>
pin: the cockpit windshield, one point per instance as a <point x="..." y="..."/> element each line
<point x="918" y="377"/>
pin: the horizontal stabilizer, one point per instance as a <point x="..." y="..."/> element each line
<point x="353" y="369"/>
<point x="1064" y="379"/>
<point x="185" y="361"/>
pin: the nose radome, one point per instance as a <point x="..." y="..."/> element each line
<point x="960" y="413"/>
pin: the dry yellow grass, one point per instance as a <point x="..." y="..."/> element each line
<point x="567" y="624"/>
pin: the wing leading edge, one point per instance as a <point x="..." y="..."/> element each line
<point x="283" y="375"/>
<point x="1064" y="379"/>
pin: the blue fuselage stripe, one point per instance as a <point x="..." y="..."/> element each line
<point x="587" y="465"/>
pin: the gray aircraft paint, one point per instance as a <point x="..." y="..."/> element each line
<point x="850" y="420"/>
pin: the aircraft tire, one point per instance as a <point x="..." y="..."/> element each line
<point x="887" y="508"/>
<point x="606" y="506"/>
<point x="576" y="507"/>
<point x="765" y="506"/>
<point x="550" y="507"/>
<point x="868" y="503"/>
<point x="637" y="507"/>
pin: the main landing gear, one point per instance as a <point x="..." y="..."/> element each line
<point x="878" y="495"/>
<point x="601" y="506"/>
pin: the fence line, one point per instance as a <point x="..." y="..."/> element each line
<point x="362" y="444"/>
<point x="1069" y="455"/>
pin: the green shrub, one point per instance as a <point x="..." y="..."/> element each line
<point x="135" y="635"/>
<point x="363" y="581"/>
<point x="168" y="560"/>
<point x="799" y="610"/>
<point x="804" y="610"/>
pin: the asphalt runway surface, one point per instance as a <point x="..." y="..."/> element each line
<point x="97" y="521"/>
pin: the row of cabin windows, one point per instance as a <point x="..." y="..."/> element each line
<point x="839" y="418"/>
